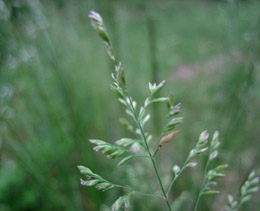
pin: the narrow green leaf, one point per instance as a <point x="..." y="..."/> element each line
<point x="103" y="185"/>
<point x="158" y="87"/>
<point x="129" y="113"/>
<point x="149" y="139"/>
<point x="108" y="149"/>
<point x="97" y="142"/>
<point x="126" y="159"/>
<point x="115" y="154"/>
<point x="146" y="119"/>
<point x="220" y="167"/>
<point x="159" y="100"/>
<point x="212" y="183"/>
<point x="215" y="138"/>
<point x="191" y="165"/>
<point x="230" y="199"/>
<point x="123" y="102"/>
<point x="234" y="204"/>
<point x="126" y="200"/>
<point x="89" y="182"/>
<point x="252" y="190"/>
<point x="118" y="91"/>
<point x="102" y="33"/>
<point x="85" y="170"/>
<point x="251" y="175"/>
<point x="108" y="188"/>
<point x="171" y="99"/>
<point x="125" y="142"/>
<point x="101" y="147"/>
<point x="203" y="136"/>
<point x="151" y="87"/>
<point x="246" y="199"/>
<point x="213" y="155"/>
<point x="173" y="123"/>
<point x="117" y="204"/>
<point x="211" y="192"/>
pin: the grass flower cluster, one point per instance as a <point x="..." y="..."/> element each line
<point x="127" y="149"/>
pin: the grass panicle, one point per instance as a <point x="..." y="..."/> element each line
<point x="139" y="147"/>
<point x="250" y="186"/>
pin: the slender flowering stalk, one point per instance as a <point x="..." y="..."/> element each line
<point x="127" y="149"/>
<point x="250" y="186"/>
<point x="119" y="86"/>
<point x="211" y="175"/>
<point x="199" y="148"/>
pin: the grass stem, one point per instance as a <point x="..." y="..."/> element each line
<point x="149" y="152"/>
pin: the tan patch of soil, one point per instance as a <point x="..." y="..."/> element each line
<point x="189" y="71"/>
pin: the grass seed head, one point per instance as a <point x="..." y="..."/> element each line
<point x="169" y="137"/>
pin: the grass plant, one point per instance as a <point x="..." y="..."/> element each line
<point x="139" y="147"/>
<point x="54" y="97"/>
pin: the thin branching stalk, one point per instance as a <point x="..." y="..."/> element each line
<point x="97" y="22"/>
<point x="138" y="192"/>
<point x="202" y="186"/>
<point x="148" y="150"/>
<point x="176" y="176"/>
<point x="129" y="147"/>
<point x="210" y="176"/>
<point x="198" y="148"/>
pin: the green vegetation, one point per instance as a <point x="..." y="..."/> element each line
<point x="140" y="146"/>
<point x="54" y="96"/>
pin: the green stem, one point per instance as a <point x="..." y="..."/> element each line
<point x="144" y="139"/>
<point x="149" y="152"/>
<point x="177" y="176"/>
<point x="202" y="187"/>
<point x="149" y="195"/>
<point x="130" y="104"/>
<point x="138" y="192"/>
<point x="142" y="156"/>
<point x="157" y="150"/>
<point x="200" y="194"/>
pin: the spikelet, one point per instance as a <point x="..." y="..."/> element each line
<point x="169" y="137"/>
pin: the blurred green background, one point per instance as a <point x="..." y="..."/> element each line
<point x="55" y="95"/>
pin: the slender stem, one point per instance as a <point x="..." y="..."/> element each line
<point x="172" y="182"/>
<point x="200" y="194"/>
<point x="142" y="156"/>
<point x="130" y="104"/>
<point x="138" y="192"/>
<point x="149" y="152"/>
<point x="158" y="176"/>
<point x="149" y="195"/>
<point x="207" y="166"/>
<point x="157" y="150"/>
<point x="177" y="176"/>
<point x="202" y="187"/>
<point x="144" y="139"/>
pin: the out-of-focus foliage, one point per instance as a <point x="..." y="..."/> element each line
<point x="54" y="96"/>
